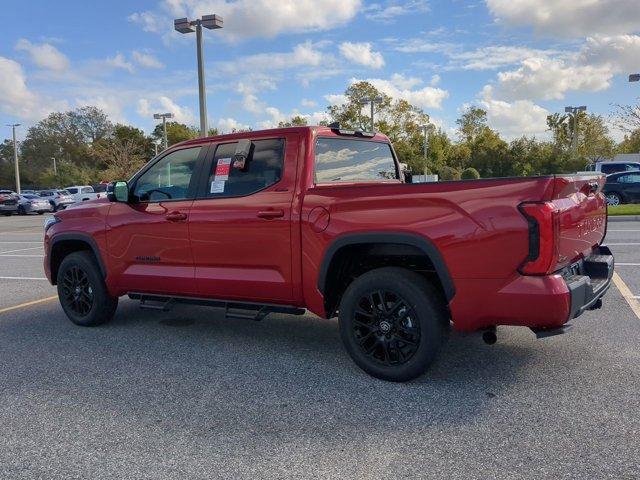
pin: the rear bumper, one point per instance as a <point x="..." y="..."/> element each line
<point x="588" y="280"/>
<point x="540" y="302"/>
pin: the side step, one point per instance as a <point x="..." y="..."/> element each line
<point x="235" y="310"/>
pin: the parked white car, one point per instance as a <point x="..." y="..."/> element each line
<point x="82" y="193"/>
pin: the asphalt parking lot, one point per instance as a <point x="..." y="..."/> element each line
<point x="188" y="394"/>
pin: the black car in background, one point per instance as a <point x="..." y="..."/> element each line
<point x="623" y="187"/>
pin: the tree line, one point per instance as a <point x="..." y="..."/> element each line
<point x="89" y="148"/>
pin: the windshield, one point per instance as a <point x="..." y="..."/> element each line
<point x="347" y="160"/>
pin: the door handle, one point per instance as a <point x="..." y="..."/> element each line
<point x="176" y="216"/>
<point x="271" y="214"/>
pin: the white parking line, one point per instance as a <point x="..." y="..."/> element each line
<point x="20" y="243"/>
<point x="20" y="250"/>
<point x="623" y="230"/>
<point x="608" y="244"/>
<point x="22" y="278"/>
<point x="626" y="293"/>
<point x="627" y="264"/>
<point x="11" y="255"/>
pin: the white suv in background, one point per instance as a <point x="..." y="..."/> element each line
<point x="82" y="193"/>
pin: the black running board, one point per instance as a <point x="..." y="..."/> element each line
<point x="232" y="309"/>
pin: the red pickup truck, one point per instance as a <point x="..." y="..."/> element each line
<point x="321" y="219"/>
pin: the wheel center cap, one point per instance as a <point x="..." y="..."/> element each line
<point x="385" y="327"/>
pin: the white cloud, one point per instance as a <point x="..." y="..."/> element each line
<point x="146" y="59"/>
<point x="228" y="125"/>
<point x="119" y="62"/>
<point x="305" y="54"/>
<point x="266" y="18"/>
<point x="149" y="21"/>
<point x="551" y="79"/>
<point x="495" y="56"/>
<point x="305" y="102"/>
<point x="146" y="108"/>
<point x="569" y="18"/>
<point x="112" y="105"/>
<point x="435" y="80"/>
<point x="591" y="69"/>
<point x="17" y="100"/>
<point x="515" y="119"/>
<point x="336" y="99"/>
<point x="44" y="55"/>
<point x="362" y="54"/>
<point x="401" y="87"/>
<point x="392" y="9"/>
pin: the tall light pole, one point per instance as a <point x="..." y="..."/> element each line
<point x="575" y="111"/>
<point x="373" y="101"/>
<point x="55" y="168"/>
<point x="425" y="130"/>
<point x="15" y="155"/>
<point x="164" y="117"/>
<point x="634" y="77"/>
<point x="184" y="25"/>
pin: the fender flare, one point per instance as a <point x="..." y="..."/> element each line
<point x="421" y="243"/>
<point x="82" y="237"/>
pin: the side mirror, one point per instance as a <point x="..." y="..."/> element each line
<point x="118" y="192"/>
<point x="242" y="154"/>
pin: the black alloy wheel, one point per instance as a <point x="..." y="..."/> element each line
<point x="77" y="291"/>
<point x="385" y="327"/>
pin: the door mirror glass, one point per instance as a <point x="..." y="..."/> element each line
<point x="241" y="155"/>
<point x="118" y="192"/>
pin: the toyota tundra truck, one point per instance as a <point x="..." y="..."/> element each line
<point x="321" y="219"/>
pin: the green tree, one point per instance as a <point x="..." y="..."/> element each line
<point x="631" y="143"/>
<point x="470" y="174"/>
<point x="176" y="132"/>
<point x="448" y="173"/>
<point x="472" y="122"/>
<point x="295" y="121"/>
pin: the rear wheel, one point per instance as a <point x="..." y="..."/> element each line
<point x="613" y="199"/>
<point x="392" y="323"/>
<point x="21" y="210"/>
<point x="82" y="291"/>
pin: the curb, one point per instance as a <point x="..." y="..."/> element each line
<point x="624" y="218"/>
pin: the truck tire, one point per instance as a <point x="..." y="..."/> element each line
<point x="392" y="323"/>
<point x="82" y="292"/>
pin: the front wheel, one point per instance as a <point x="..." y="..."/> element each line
<point x="613" y="199"/>
<point x="21" y="210"/>
<point x="82" y="292"/>
<point x="392" y="323"/>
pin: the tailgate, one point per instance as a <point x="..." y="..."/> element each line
<point x="581" y="216"/>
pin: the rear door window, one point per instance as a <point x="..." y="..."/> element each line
<point x="262" y="169"/>
<point x="347" y="160"/>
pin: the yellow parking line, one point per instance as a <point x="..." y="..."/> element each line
<point x="28" y="304"/>
<point x="626" y="293"/>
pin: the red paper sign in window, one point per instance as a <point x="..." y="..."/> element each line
<point x="222" y="169"/>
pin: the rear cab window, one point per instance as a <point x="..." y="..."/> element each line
<point x="342" y="160"/>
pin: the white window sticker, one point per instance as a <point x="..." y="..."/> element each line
<point x="217" y="186"/>
<point x="222" y="169"/>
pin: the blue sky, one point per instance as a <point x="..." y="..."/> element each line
<point x="518" y="59"/>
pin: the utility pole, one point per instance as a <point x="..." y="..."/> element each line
<point x="15" y="155"/>
<point x="164" y="117"/>
<point x="575" y="111"/>
<point x="184" y="25"/>
<point x="372" y="101"/>
<point x="55" y="168"/>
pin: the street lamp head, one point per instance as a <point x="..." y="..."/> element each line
<point x="183" y="25"/>
<point x="582" y="108"/>
<point x="568" y="109"/>
<point x="634" y="77"/>
<point x="160" y="116"/>
<point x="212" y="22"/>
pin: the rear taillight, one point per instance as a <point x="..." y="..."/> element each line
<point x="543" y="238"/>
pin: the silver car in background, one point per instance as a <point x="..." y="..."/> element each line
<point x="30" y="203"/>
<point x="59" y="199"/>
